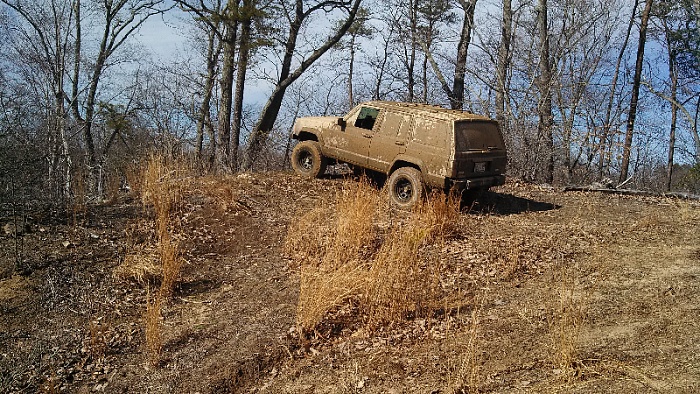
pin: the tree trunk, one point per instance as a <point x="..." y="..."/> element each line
<point x="503" y="64"/>
<point x="243" y="55"/>
<point x="603" y="141"/>
<point x="410" y="67"/>
<point x="76" y="60"/>
<point x="382" y="66"/>
<point x="673" y="76"/>
<point x="546" y="119"/>
<point x="351" y="99"/>
<point x="223" y="157"/>
<point x="203" y="118"/>
<point x="629" y="133"/>
<point x="457" y="96"/>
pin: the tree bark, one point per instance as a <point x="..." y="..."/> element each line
<point x="410" y="67"/>
<point x="503" y="64"/>
<point x="629" y="133"/>
<point x="204" y="118"/>
<point x="457" y="96"/>
<point x="242" y="68"/>
<point x="223" y="157"/>
<point x="546" y="119"/>
<point x="351" y="71"/>
<point x="673" y="76"/>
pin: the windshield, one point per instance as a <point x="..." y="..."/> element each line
<point x="475" y="135"/>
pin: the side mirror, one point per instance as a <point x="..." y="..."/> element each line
<point x="342" y="123"/>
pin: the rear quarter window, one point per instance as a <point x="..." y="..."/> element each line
<point x="396" y="125"/>
<point x="431" y="132"/>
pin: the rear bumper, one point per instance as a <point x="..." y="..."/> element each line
<point x="475" y="183"/>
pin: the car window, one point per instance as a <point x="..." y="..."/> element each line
<point x="477" y="136"/>
<point x="367" y="118"/>
<point x="396" y="125"/>
<point x="431" y="132"/>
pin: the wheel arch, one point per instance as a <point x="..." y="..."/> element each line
<point x="306" y="136"/>
<point x="403" y="162"/>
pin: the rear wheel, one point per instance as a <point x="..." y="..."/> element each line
<point x="406" y="187"/>
<point x="307" y="159"/>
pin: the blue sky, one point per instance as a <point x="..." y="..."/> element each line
<point x="164" y="35"/>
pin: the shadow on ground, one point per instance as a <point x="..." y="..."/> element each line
<point x="494" y="203"/>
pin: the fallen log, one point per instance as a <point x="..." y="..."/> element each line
<point x="632" y="192"/>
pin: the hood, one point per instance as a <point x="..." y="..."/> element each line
<point x="315" y="122"/>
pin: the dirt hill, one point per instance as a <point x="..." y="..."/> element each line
<point x="549" y="292"/>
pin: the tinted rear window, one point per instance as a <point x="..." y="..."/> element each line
<point x="477" y="135"/>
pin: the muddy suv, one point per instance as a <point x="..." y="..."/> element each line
<point x="415" y="145"/>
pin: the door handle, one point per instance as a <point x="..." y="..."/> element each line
<point x="400" y="143"/>
<point x="367" y="135"/>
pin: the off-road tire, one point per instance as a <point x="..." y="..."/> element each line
<point x="307" y="159"/>
<point x="406" y="187"/>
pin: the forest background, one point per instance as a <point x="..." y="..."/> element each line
<point x="585" y="90"/>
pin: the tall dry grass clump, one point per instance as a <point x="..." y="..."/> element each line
<point x="346" y="255"/>
<point x="331" y="247"/>
<point x="566" y="325"/>
<point x="400" y="283"/>
<point x="162" y="188"/>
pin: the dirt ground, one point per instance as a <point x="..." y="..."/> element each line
<point x="563" y="292"/>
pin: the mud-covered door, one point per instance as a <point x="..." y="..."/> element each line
<point x="389" y="140"/>
<point x="352" y="142"/>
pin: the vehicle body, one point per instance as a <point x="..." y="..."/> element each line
<point x="415" y="145"/>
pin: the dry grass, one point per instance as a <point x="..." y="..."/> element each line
<point x="343" y="254"/>
<point x="330" y="247"/>
<point x="171" y="263"/>
<point x="141" y="266"/>
<point x="162" y="188"/>
<point x="153" y="330"/>
<point x="99" y="338"/>
<point x="466" y="379"/>
<point x="566" y="325"/>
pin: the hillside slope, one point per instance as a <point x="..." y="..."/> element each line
<point x="562" y="292"/>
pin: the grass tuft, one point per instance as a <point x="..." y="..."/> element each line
<point x="346" y="255"/>
<point x="566" y="326"/>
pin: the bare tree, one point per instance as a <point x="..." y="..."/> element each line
<point x="214" y="46"/>
<point x="503" y="64"/>
<point x="673" y="77"/>
<point x="545" y="126"/>
<point x="359" y="29"/>
<point x="454" y="91"/>
<point x="629" y="133"/>
<point x="297" y="18"/>
<point x="48" y="39"/>
<point x="604" y="145"/>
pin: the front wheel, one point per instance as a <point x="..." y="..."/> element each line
<point x="406" y="187"/>
<point x="307" y="159"/>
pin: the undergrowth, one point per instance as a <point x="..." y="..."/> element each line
<point x="351" y="254"/>
<point x="161" y="186"/>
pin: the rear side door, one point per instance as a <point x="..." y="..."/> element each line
<point x="389" y="140"/>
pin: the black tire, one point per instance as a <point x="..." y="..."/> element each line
<point x="307" y="160"/>
<point x="406" y="187"/>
